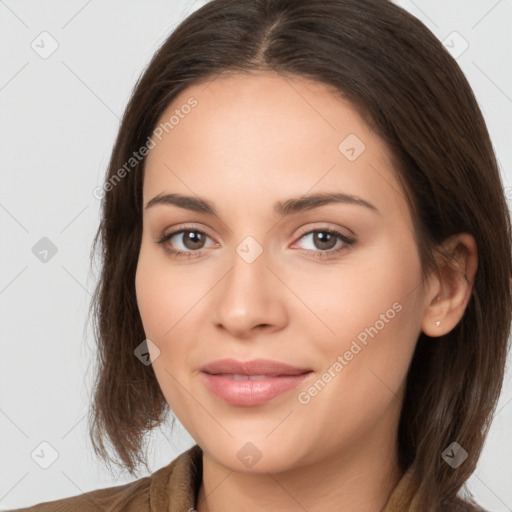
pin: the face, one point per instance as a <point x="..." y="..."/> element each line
<point x="330" y="288"/>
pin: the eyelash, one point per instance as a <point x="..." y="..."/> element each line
<point x="322" y="254"/>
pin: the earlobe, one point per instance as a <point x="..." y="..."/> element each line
<point x="453" y="289"/>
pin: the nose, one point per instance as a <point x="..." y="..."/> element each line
<point x="250" y="298"/>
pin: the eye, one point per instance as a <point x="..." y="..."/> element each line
<point x="192" y="240"/>
<point x="324" y="241"/>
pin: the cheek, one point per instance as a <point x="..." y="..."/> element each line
<point x="163" y="294"/>
<point x="169" y="302"/>
<point x="364" y="371"/>
<point x="148" y="293"/>
<point x="371" y="291"/>
<point x="160" y="309"/>
<point x="373" y="318"/>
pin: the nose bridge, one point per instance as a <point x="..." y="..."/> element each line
<point x="249" y="277"/>
<point x="249" y="295"/>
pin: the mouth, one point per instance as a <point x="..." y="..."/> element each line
<point x="255" y="367"/>
<point x="246" y="377"/>
<point x="251" y="383"/>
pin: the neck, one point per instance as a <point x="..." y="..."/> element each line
<point x="361" y="478"/>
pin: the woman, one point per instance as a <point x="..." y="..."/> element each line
<point x="307" y="259"/>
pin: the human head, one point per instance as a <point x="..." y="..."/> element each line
<point x="444" y="161"/>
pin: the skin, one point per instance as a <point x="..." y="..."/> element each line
<point x="241" y="153"/>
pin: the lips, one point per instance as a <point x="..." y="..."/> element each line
<point x="234" y="376"/>
<point x="251" y="383"/>
<point x="266" y="367"/>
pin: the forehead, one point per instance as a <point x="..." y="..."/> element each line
<point x="263" y="132"/>
<point x="268" y="105"/>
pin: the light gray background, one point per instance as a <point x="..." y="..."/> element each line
<point x="59" y="117"/>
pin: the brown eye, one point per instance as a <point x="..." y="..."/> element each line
<point x="324" y="240"/>
<point x="186" y="243"/>
<point x="193" y="240"/>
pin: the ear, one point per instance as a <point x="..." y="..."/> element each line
<point x="449" y="295"/>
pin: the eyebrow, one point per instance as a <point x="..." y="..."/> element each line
<point x="281" y="208"/>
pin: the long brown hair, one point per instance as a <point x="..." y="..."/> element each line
<point x="409" y="89"/>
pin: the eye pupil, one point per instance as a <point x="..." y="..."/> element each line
<point x="322" y="237"/>
<point x="193" y="239"/>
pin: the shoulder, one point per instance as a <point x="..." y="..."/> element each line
<point x="172" y="486"/>
<point x="133" y="496"/>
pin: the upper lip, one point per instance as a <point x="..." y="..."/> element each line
<point x="253" y="367"/>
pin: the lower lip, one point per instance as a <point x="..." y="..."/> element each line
<point x="251" y="392"/>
